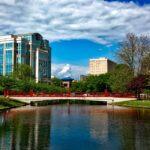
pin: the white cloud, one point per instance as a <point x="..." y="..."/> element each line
<point x="68" y="70"/>
<point x="95" y="20"/>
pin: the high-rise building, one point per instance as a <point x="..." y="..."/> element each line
<point x="101" y="66"/>
<point x="30" y="49"/>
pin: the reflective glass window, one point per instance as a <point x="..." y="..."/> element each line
<point x="9" y="45"/>
<point x="8" y="61"/>
<point x="1" y="59"/>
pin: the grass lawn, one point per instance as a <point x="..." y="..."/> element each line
<point x="136" y="103"/>
<point x="9" y="103"/>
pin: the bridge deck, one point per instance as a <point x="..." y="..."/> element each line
<point x="103" y="99"/>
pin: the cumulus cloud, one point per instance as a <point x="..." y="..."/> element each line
<point x="65" y="71"/>
<point x="95" y="20"/>
<point x="68" y="70"/>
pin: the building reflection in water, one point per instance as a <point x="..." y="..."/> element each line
<point x="26" y="128"/>
<point x="120" y="127"/>
<point x="99" y="124"/>
<point x="79" y="127"/>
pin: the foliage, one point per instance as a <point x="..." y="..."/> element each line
<point x="138" y="84"/>
<point x="120" y="78"/>
<point x="146" y="65"/>
<point x="22" y="72"/>
<point x="98" y="83"/>
<point x="78" y="86"/>
<point x="134" y="51"/>
<point x="55" y="81"/>
<point x="43" y="87"/>
<point x="9" y="103"/>
<point x="10" y="83"/>
<point x="1" y="89"/>
<point x="7" y="82"/>
<point x="92" y="84"/>
<point x="146" y="91"/>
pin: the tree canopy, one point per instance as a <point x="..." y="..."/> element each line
<point x="120" y="78"/>
<point x="134" y="52"/>
<point x="23" y="72"/>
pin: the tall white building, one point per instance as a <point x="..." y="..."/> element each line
<point x="101" y="66"/>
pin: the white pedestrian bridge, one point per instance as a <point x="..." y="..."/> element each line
<point x="108" y="100"/>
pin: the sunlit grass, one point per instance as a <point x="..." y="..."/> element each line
<point x="137" y="103"/>
<point x="9" y="103"/>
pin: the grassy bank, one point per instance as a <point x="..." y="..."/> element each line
<point x="6" y="103"/>
<point x="136" y="103"/>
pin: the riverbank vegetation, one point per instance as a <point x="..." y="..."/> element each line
<point x="13" y="84"/>
<point x="121" y="80"/>
<point x="6" y="103"/>
<point x="21" y="80"/>
<point x="137" y="103"/>
<point x="132" y="75"/>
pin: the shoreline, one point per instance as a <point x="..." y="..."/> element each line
<point x="12" y="102"/>
<point x="135" y="104"/>
<point x="8" y="103"/>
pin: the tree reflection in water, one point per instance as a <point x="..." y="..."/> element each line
<point x="75" y="127"/>
<point x="25" y="129"/>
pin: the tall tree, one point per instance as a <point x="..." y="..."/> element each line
<point x="146" y="65"/>
<point x="23" y="72"/>
<point x="138" y="84"/>
<point x="133" y="52"/>
<point x="55" y="81"/>
<point x="120" y="78"/>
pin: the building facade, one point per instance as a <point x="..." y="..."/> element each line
<point x="66" y="82"/>
<point x="30" y="49"/>
<point x="101" y="66"/>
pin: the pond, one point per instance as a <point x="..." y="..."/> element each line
<point x="75" y="127"/>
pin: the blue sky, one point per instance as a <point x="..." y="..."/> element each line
<point x="138" y="2"/>
<point x="78" y="52"/>
<point x="77" y="29"/>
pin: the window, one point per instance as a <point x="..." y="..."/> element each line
<point x="8" y="69"/>
<point x="1" y="59"/>
<point x="1" y="46"/>
<point x="9" y="45"/>
<point x="8" y="61"/>
<point x="28" y="37"/>
<point x="19" y="46"/>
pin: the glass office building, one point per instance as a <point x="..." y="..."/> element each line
<point x="30" y="49"/>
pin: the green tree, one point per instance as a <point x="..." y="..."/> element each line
<point x="98" y="83"/>
<point x="7" y="82"/>
<point x="79" y="86"/>
<point x="22" y="72"/>
<point x="120" y="78"/>
<point x="92" y="84"/>
<point x="55" y="81"/>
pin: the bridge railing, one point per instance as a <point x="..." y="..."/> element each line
<point x="69" y="94"/>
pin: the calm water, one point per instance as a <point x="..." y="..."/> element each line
<point x="75" y="127"/>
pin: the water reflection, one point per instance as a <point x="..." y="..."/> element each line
<point x="71" y="127"/>
<point x="25" y="129"/>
